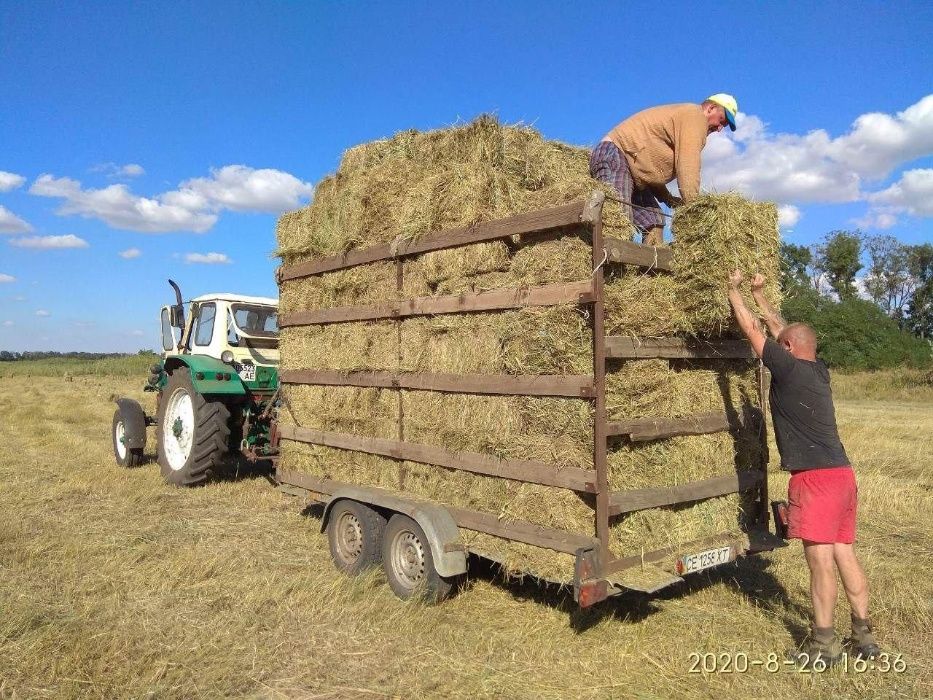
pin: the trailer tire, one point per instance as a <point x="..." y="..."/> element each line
<point x="193" y="432"/>
<point x="409" y="564"/>
<point x="125" y="456"/>
<point x="354" y="533"/>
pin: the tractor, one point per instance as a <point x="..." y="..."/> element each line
<point x="216" y="388"/>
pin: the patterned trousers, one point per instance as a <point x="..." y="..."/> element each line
<point x="609" y="165"/>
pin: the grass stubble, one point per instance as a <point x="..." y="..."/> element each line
<point x="113" y="584"/>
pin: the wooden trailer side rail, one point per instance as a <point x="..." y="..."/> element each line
<point x="573" y="478"/>
<point x="489" y="523"/>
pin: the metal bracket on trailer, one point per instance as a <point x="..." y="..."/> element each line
<point x="587" y="588"/>
<point x="443" y="535"/>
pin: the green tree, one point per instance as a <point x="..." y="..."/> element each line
<point x="795" y="266"/>
<point x="889" y="282"/>
<point x="919" y="311"/>
<point x="838" y="258"/>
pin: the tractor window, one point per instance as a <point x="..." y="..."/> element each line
<point x="168" y="340"/>
<point x="205" y="328"/>
<point x="257" y="320"/>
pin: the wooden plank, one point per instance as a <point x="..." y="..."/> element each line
<point x="517" y="530"/>
<point x="520" y="531"/>
<point x="738" y="541"/>
<point x="598" y="328"/>
<point x="517" y="469"/>
<point x="623" y="347"/>
<point x="544" y="295"/>
<point x="654" y="258"/>
<point x="573" y="386"/>
<point x="642" y="499"/>
<point x="640" y="429"/>
<point x="532" y="222"/>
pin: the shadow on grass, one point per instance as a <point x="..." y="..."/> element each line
<point x="750" y="576"/>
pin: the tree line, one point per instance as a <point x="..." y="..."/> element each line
<point x="882" y="317"/>
<point x="9" y="356"/>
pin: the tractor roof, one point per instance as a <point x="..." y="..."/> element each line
<point x="267" y="301"/>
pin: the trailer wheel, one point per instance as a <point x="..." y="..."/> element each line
<point x="125" y="456"/>
<point x="408" y="563"/>
<point x="193" y="433"/>
<point x="354" y="533"/>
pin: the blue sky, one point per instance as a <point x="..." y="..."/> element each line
<point x="174" y="133"/>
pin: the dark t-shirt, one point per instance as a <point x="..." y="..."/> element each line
<point x="802" y="411"/>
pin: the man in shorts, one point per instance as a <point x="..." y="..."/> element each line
<point x="822" y="492"/>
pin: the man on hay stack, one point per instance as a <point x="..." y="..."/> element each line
<point x="649" y="149"/>
<point x="822" y="493"/>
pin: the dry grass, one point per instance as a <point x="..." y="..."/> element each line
<point x="115" y="585"/>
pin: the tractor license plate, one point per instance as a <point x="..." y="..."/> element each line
<point x="247" y="373"/>
<point x="691" y="563"/>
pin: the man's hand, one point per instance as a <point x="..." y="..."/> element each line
<point x="758" y="282"/>
<point x="746" y="320"/>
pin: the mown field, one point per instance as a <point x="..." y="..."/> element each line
<point x="114" y="585"/>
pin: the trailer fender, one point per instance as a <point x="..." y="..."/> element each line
<point x="440" y="528"/>
<point x="134" y="423"/>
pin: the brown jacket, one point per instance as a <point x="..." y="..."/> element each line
<point x="662" y="143"/>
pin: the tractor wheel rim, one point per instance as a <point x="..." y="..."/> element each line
<point x="119" y="440"/>
<point x="178" y="429"/>
<point x="408" y="559"/>
<point x="349" y="538"/>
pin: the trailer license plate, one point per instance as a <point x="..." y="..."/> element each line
<point x="248" y="373"/>
<point x="691" y="563"/>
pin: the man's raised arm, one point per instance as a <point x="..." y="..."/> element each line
<point x="773" y="318"/>
<point x="746" y="319"/>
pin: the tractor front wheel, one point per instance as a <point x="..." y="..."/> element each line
<point x="125" y="456"/>
<point x="193" y="432"/>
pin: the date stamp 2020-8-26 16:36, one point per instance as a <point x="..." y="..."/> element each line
<point x="741" y="662"/>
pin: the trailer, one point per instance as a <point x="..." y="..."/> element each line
<point x="419" y="540"/>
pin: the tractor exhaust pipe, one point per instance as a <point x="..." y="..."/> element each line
<point x="179" y="305"/>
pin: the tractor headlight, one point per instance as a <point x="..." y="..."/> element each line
<point x="227" y="357"/>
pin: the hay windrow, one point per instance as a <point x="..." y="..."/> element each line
<point x="414" y="183"/>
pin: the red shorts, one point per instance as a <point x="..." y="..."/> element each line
<point x="822" y="505"/>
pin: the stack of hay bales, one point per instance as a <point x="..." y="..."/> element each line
<point x="416" y="183"/>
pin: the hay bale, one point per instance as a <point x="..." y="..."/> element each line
<point x="414" y="183"/>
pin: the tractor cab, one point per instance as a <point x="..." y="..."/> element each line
<point x="236" y="331"/>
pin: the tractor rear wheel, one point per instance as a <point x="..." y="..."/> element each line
<point x="193" y="432"/>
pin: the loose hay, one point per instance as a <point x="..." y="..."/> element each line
<point x="415" y="183"/>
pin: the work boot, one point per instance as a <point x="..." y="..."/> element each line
<point x="862" y="638"/>
<point x="823" y="646"/>
<point x="653" y="236"/>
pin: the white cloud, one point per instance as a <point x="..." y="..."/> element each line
<point x="117" y="171"/>
<point x="194" y="206"/>
<point x="240" y="188"/>
<point x="120" y="208"/>
<point x="130" y="253"/>
<point x="788" y="215"/>
<point x="50" y="242"/>
<point x="132" y="170"/>
<point x="912" y="194"/>
<point x="7" y="323"/>
<point x="207" y="258"/>
<point x="43" y="313"/>
<point x="6" y="278"/>
<point x="137" y="334"/>
<point x="10" y="181"/>
<point x="815" y="167"/>
<point x="877" y="218"/>
<point x="11" y="223"/>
